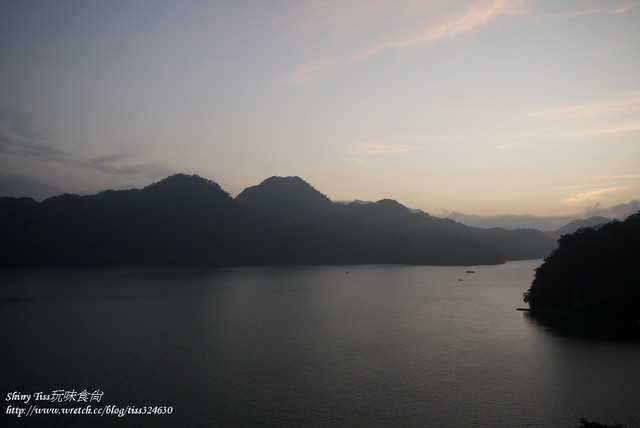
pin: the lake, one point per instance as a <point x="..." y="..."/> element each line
<point x="344" y="346"/>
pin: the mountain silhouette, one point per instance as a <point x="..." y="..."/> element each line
<point x="441" y="241"/>
<point x="518" y="244"/>
<point x="188" y="220"/>
<point x="287" y="199"/>
<point x="594" y="275"/>
<point x="179" y="220"/>
<point x="574" y="225"/>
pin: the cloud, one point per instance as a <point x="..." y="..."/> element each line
<point x="510" y="146"/>
<point x="354" y="161"/>
<point x="21" y="136"/>
<point x="623" y="9"/>
<point x="620" y="211"/>
<point x="118" y="164"/>
<point x="396" y="144"/>
<point x="519" y="129"/>
<point x="478" y="14"/>
<point x="626" y="176"/>
<point x="363" y="28"/>
<point x="306" y="75"/>
<point x="377" y="148"/>
<point x="626" y="103"/>
<point x="615" y="115"/>
<point x="590" y="195"/>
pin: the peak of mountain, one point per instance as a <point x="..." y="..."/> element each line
<point x="289" y="199"/>
<point x="385" y="212"/>
<point x="63" y="198"/>
<point x="579" y="224"/>
<point x="293" y="200"/>
<point x="390" y="205"/>
<point x="283" y="188"/>
<point x="355" y="201"/>
<point x="186" y="195"/>
<point x="180" y="220"/>
<point x="185" y="184"/>
<point x="291" y="181"/>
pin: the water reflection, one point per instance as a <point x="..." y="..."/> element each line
<point x="310" y="346"/>
<point x="588" y="326"/>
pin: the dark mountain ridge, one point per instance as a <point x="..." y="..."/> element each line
<point x="593" y="275"/>
<point x="288" y="199"/>
<point x="188" y="220"/>
<point x="179" y="220"/>
<point x="275" y="199"/>
<point x="575" y="225"/>
<point x="510" y="221"/>
<point x="380" y="232"/>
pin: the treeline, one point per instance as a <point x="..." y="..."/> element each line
<point x="188" y="220"/>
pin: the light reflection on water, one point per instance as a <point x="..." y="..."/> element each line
<point x="310" y="346"/>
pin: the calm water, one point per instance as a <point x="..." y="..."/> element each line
<point x="308" y="346"/>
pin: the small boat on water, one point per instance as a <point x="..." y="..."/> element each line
<point x="471" y="271"/>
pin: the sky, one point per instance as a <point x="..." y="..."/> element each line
<point x="483" y="107"/>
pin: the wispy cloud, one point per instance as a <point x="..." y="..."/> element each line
<point x="306" y="75"/>
<point x="590" y="195"/>
<point x="365" y="28"/>
<point x="380" y="148"/>
<point x="620" y="211"/>
<point x="615" y="115"/>
<point x="398" y="144"/>
<point x="21" y="136"/>
<point x="622" y="104"/>
<point x="523" y="128"/>
<point x="626" y="176"/>
<point x="477" y="15"/>
<point x="591" y="11"/>
<point x="510" y="145"/>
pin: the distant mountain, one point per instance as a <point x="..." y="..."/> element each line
<point x="288" y="199"/>
<point x="361" y="202"/>
<point x="355" y="201"/>
<point x="518" y="244"/>
<point x="188" y="220"/>
<point x="181" y="220"/>
<point x="291" y="199"/>
<point x="578" y="224"/>
<point x="512" y="222"/>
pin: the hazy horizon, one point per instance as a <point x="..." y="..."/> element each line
<point x="488" y="107"/>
